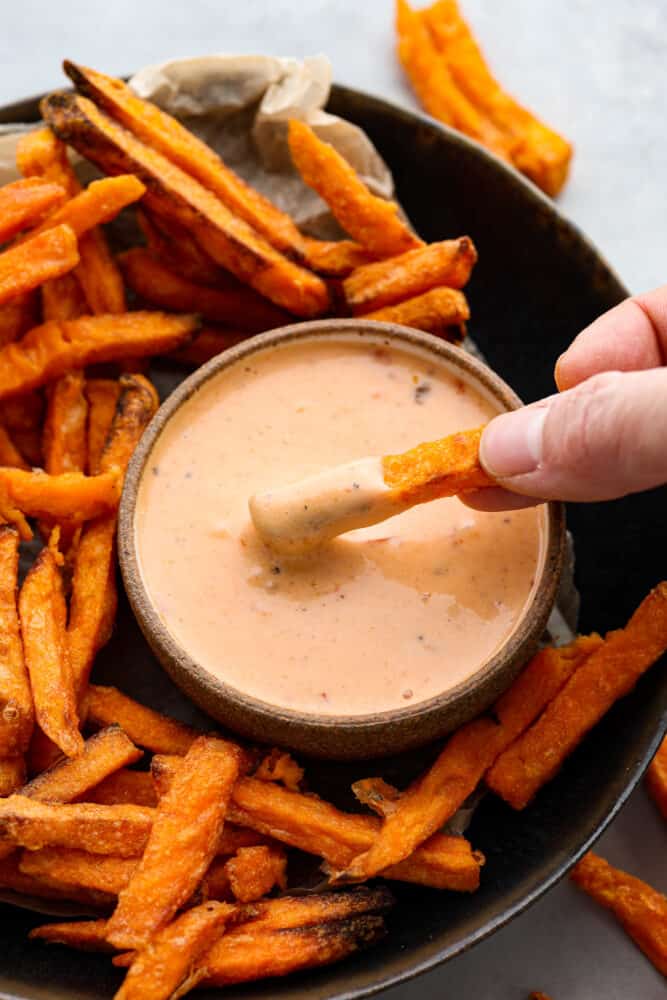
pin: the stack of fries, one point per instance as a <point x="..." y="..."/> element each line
<point x="186" y="864"/>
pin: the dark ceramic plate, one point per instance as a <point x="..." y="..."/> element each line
<point x="537" y="283"/>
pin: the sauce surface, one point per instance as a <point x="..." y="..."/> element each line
<point x="378" y="619"/>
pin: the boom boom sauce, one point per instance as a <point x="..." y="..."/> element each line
<point x="376" y="620"/>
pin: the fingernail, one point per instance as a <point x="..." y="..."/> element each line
<point x="512" y="443"/>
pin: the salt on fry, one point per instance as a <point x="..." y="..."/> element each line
<point x="183" y="841"/>
<point x="640" y="909"/>
<point x="12" y="774"/>
<point x="65" y="868"/>
<point x="442" y="311"/>
<point x="16" y="705"/>
<point x="373" y="222"/>
<point x="144" y="726"/>
<point x="29" y="264"/>
<point x="124" y="787"/>
<point x="254" y="871"/>
<point x="24" y="203"/>
<point x="656" y="778"/>
<point x="102" y="396"/>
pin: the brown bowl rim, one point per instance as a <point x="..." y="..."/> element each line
<point x="208" y="691"/>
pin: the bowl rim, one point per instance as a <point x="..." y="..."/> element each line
<point x="521" y="641"/>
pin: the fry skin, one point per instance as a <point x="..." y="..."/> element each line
<point x="182" y="843"/>
<point x="371" y="221"/>
<point x="52" y="349"/>
<point x="386" y="282"/>
<point x="442" y="311"/>
<point x="656" y="778"/>
<point x="640" y="909"/>
<point x="39" y="258"/>
<point x="16" y="705"/>
<point x="64" y="868"/>
<point x="437" y="468"/>
<point x="102" y="396"/>
<point x="225" y="237"/>
<point x="12" y="774"/>
<point x="143" y="725"/>
<point x="124" y="787"/>
<point x="610" y="672"/>
<point x="164" y="133"/>
<point x="24" y="203"/>
<point x="43" y="615"/>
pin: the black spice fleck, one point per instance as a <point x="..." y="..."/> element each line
<point x="355" y="486"/>
<point x="422" y="390"/>
<point x="275" y="570"/>
<point x="155" y="470"/>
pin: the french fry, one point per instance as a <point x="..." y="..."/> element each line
<point x="436" y="468"/>
<point x="39" y="258"/>
<point x="377" y="795"/>
<point x="71" y="778"/>
<point x="610" y="672"/>
<point x="118" y="830"/>
<point x="143" y="725"/>
<point x="234" y="838"/>
<point x="16" y="705"/>
<point x="65" y="442"/>
<point x="84" y="935"/>
<point x="64" y="868"/>
<point x="123" y="787"/>
<point x="24" y="203"/>
<point x="255" y="871"/>
<point x="12" y="878"/>
<point x="442" y="311"/>
<point x="278" y="765"/>
<point x="177" y="248"/>
<point x="102" y="395"/>
<point x="100" y="202"/>
<point x="167" y="967"/>
<point x="373" y="222"/>
<point x="208" y="343"/>
<point x="335" y="258"/>
<point x="43" y="615"/>
<point x="386" y="282"/>
<point x="434" y="797"/>
<point x="164" y="133"/>
<point x="434" y="85"/>
<point x="63" y="298"/>
<point x="12" y="774"/>
<point x="23" y="417"/>
<point x="537" y="150"/>
<point x="42" y="154"/>
<point x="52" y="349"/>
<point x="236" y="305"/>
<point x="225" y="237"/>
<point x="656" y="778"/>
<point x="640" y="909"/>
<point x="183" y="841"/>
<point x="9" y="453"/>
<point x="68" y="497"/>
<point x="17" y="317"/>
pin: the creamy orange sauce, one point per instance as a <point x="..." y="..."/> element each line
<point x="378" y="619"/>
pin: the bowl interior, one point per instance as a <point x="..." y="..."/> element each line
<point x="537" y="284"/>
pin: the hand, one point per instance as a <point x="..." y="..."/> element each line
<point x="605" y="434"/>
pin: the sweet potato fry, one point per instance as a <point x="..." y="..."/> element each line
<point x="64" y="444"/>
<point x="43" y="614"/>
<point x="610" y="672"/>
<point x="436" y="468"/>
<point x="16" y="705"/>
<point x="29" y="264"/>
<point x="18" y="316"/>
<point x="537" y="150"/>
<point x="64" y="868"/>
<point x="176" y="247"/>
<point x="386" y="282"/>
<point x="335" y="258"/>
<point x="434" y="85"/>
<point x="24" y="203"/>
<point x="225" y="237"/>
<point x="255" y="871"/>
<point x="13" y="879"/>
<point x="9" y="453"/>
<point x="377" y="795"/>
<point x="182" y="843"/>
<point x="278" y="765"/>
<point x="42" y="154"/>
<point x="164" y="133"/>
<point x="84" y="935"/>
<point x="119" y="830"/>
<point x="237" y="305"/>
<point x="63" y="298"/>
<point x="442" y="311"/>
<point x="71" y="778"/>
<point x="656" y="778"/>
<point x="640" y="909"/>
<point x="123" y="787"/>
<point x="143" y="725"/>
<point x="373" y="222"/>
<point x="208" y="343"/>
<point x="102" y="395"/>
<point x="52" y="349"/>
<point x="12" y="774"/>
<point x="233" y="838"/>
<point x="100" y="202"/>
<point x="70" y="496"/>
<point x="23" y="417"/>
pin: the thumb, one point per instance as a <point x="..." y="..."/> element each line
<point x="603" y="439"/>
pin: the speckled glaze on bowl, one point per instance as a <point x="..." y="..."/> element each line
<point x="340" y="737"/>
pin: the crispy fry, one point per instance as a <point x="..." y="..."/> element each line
<point x="237" y="305"/>
<point x="336" y="258"/>
<point x="12" y="878"/>
<point x="85" y="826"/>
<point x="54" y="348"/>
<point x="371" y="221"/>
<point x="70" y="779"/>
<point x="43" y="614"/>
<point x="656" y="778"/>
<point x="42" y="154"/>
<point x="102" y="395"/>
<point x="537" y="150"/>
<point x="385" y="282"/>
<point x="64" y="444"/>
<point x="436" y="468"/>
<point x="123" y="787"/>
<point x="64" y="868"/>
<point x="63" y="298"/>
<point x="433" y="84"/>
<point x="379" y="796"/>
<point x="442" y="311"/>
<point x="278" y="765"/>
<point x="16" y="705"/>
<point x="143" y="725"/>
<point x="176" y="247"/>
<point x="225" y="237"/>
<point x="29" y="264"/>
<point x="23" y="417"/>
<point x="208" y="343"/>
<point x="18" y="316"/>
<point x="167" y="967"/>
<point x="610" y="672"/>
<point x="24" y="203"/>
<point x="9" y="453"/>
<point x="12" y="774"/>
<point x="100" y="202"/>
<point x="164" y="133"/>
<point x="85" y="935"/>
<point x="640" y="909"/>
<point x="233" y="838"/>
<point x="255" y="871"/>
<point x="70" y="496"/>
<point x="182" y="843"/>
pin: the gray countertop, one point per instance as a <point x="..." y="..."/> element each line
<point x="598" y="72"/>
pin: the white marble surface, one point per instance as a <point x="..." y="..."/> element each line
<point x="596" y="70"/>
